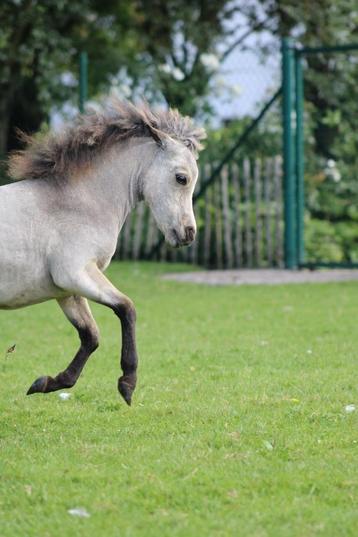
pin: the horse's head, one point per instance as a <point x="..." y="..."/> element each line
<point x="168" y="188"/>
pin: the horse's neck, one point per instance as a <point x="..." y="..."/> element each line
<point x="113" y="187"/>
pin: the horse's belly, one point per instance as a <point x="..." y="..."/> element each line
<point x="20" y="297"/>
<point x="24" y="285"/>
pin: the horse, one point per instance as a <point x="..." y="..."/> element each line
<point x="60" y="219"/>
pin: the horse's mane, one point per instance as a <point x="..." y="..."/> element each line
<point x="55" y="154"/>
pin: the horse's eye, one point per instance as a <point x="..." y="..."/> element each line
<point x="181" y="179"/>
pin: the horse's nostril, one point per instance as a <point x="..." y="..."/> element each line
<point x="189" y="233"/>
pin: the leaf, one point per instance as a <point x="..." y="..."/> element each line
<point x="268" y="445"/>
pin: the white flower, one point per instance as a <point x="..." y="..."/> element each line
<point x="68" y="79"/>
<point x="350" y="408"/>
<point x="332" y="171"/>
<point x="64" y="396"/>
<point x="210" y="61"/>
<point x="221" y="82"/>
<point x="336" y="175"/>
<point x="121" y="91"/>
<point x="165" y="68"/>
<point x="125" y="90"/>
<point x="178" y="74"/>
<point x="237" y="90"/>
<point x="94" y="106"/>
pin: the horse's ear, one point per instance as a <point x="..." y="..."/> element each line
<point x="149" y="122"/>
<point x="154" y="133"/>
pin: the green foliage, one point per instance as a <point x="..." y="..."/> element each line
<point x="36" y="47"/>
<point x="173" y="36"/>
<point x="238" y="426"/>
<point x="331" y="182"/>
<point x="325" y="241"/>
<point x="149" y="48"/>
<point x="331" y="106"/>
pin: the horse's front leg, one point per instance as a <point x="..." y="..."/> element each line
<point x="92" y="284"/>
<point x="77" y="311"/>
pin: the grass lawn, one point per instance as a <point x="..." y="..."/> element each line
<point x="238" y="426"/>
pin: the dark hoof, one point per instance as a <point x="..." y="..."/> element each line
<point x="39" y="386"/>
<point x="126" y="390"/>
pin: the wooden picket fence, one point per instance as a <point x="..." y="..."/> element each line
<point x="239" y="220"/>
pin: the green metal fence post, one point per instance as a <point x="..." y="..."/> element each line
<point x="288" y="155"/>
<point x="299" y="160"/>
<point x="83" y="85"/>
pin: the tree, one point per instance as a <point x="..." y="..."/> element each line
<point x="166" y="50"/>
<point x="34" y="46"/>
<point x="179" y="40"/>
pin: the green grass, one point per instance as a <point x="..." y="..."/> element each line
<point x="238" y="425"/>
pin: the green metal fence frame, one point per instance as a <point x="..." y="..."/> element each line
<point x="83" y="81"/>
<point x="293" y="151"/>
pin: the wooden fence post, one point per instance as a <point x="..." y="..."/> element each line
<point x="229" y="256"/>
<point x="258" y="227"/>
<point x="235" y="179"/>
<point x="248" y="233"/>
<point x="268" y="177"/>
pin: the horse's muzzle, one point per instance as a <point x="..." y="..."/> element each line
<point x="189" y="236"/>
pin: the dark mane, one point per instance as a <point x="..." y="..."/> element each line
<point x="58" y="153"/>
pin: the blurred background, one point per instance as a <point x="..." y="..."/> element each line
<point x="220" y="62"/>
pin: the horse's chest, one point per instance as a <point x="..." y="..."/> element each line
<point x="104" y="250"/>
<point x="104" y="260"/>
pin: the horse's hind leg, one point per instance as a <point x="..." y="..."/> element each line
<point x="79" y="314"/>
